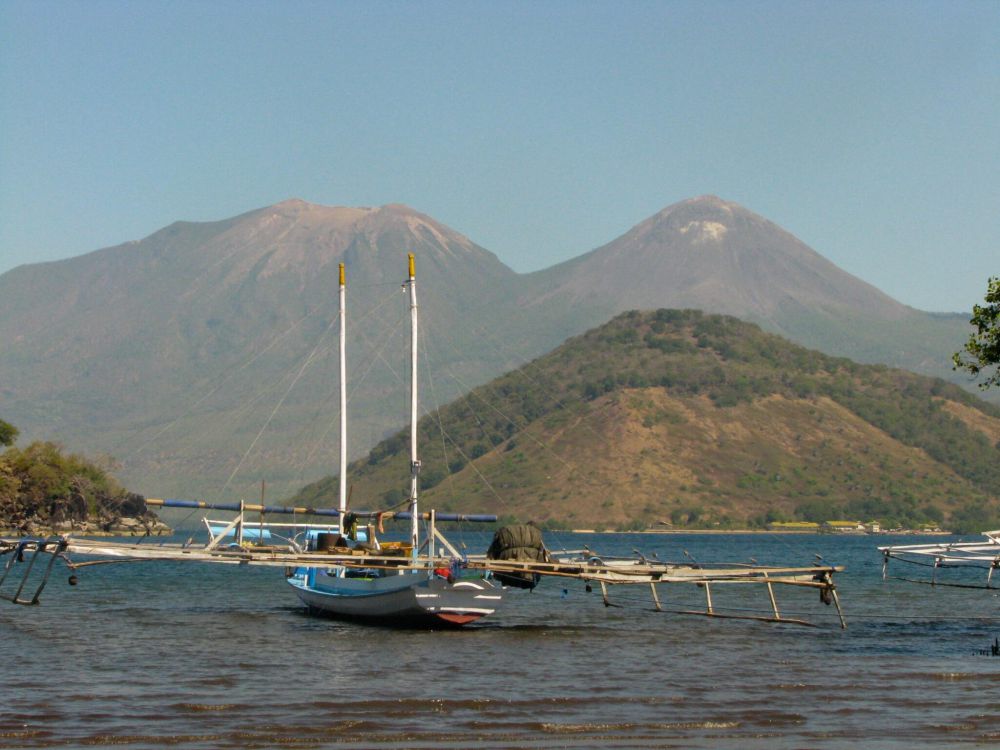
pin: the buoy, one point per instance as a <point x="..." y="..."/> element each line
<point x="73" y="580"/>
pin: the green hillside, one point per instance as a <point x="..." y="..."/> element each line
<point x="697" y="420"/>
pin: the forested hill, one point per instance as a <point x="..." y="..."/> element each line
<point x="698" y="420"/>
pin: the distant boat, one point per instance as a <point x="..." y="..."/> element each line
<point x="417" y="593"/>
<point x="941" y="556"/>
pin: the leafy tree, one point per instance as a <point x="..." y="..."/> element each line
<point x="9" y="486"/>
<point x="982" y="350"/>
<point x="8" y="433"/>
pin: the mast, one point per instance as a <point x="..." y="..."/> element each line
<point x="343" y="402"/>
<point x="414" y="461"/>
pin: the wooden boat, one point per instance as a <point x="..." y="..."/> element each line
<point x="419" y="594"/>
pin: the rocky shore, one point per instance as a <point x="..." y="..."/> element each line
<point x="124" y="526"/>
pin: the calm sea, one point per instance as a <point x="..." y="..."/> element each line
<point x="196" y="656"/>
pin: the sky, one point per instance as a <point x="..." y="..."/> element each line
<point x="541" y="130"/>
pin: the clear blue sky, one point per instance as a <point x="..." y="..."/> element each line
<point x="540" y="130"/>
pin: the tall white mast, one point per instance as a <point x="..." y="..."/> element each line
<point x="414" y="461"/>
<point x="343" y="401"/>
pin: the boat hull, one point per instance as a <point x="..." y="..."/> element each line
<point x="405" y="599"/>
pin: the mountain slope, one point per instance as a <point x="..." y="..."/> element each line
<point x="713" y="255"/>
<point x="699" y="419"/>
<point x="211" y="323"/>
<point x="708" y="253"/>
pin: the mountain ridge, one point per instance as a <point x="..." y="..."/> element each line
<point x="112" y="349"/>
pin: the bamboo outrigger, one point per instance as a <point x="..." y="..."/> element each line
<point x="950" y="555"/>
<point x="246" y="548"/>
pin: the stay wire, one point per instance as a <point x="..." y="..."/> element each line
<point x="466" y="391"/>
<point x="355" y="379"/>
<point x="321" y="348"/>
<point x="354" y="386"/>
<point x="229" y="376"/>
<point x="277" y="406"/>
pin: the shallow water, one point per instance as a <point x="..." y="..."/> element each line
<point x="197" y="656"/>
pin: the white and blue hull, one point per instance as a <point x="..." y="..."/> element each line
<point x="404" y="598"/>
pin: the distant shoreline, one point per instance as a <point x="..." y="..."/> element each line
<point x="810" y="532"/>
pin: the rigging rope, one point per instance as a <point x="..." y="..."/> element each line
<point x="291" y="377"/>
<point x="230" y="374"/>
<point x="278" y="405"/>
<point x="355" y="381"/>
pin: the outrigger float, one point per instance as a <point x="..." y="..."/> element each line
<point x="342" y="569"/>
<point x="982" y="556"/>
<point x="243" y="542"/>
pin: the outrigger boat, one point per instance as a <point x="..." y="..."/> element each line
<point x="579" y="565"/>
<point x="387" y="590"/>
<point x="947" y="557"/>
<point x="343" y="569"/>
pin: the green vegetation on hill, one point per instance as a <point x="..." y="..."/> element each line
<point x="697" y="420"/>
<point x="43" y="488"/>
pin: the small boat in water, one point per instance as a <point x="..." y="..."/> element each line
<point x="418" y="593"/>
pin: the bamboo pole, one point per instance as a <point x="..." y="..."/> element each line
<point x="656" y="598"/>
<point x="774" y="602"/>
<point x="840" y="612"/>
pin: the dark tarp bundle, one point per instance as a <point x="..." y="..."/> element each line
<point x="522" y="543"/>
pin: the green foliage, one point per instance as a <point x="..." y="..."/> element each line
<point x="982" y="350"/>
<point x="41" y="484"/>
<point x="8" y="433"/>
<point x="975" y="518"/>
<point x="10" y="484"/>
<point x="393" y="497"/>
<point x="431" y="477"/>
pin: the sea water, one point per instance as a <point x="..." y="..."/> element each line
<point x="188" y="655"/>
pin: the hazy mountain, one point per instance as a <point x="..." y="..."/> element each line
<point x="142" y="350"/>
<point x="709" y="254"/>
<point x="203" y="356"/>
<point x="688" y="418"/>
